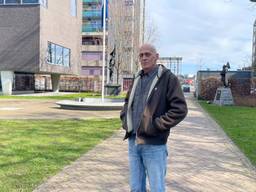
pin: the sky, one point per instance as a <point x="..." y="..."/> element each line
<point x="205" y="33"/>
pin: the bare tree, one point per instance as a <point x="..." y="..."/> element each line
<point x="123" y="35"/>
<point x="151" y="31"/>
<point x="247" y="61"/>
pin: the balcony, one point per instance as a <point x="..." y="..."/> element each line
<point x="91" y="28"/>
<point x="90" y="7"/>
<point x="92" y="47"/>
<point x="92" y="14"/>
<point x="92" y="1"/>
<point x="91" y="63"/>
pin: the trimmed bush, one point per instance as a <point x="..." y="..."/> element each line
<point x="240" y="87"/>
<point x="249" y="100"/>
<point x="209" y="87"/>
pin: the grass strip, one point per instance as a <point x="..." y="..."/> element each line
<point x="239" y="123"/>
<point x="31" y="151"/>
<point x="62" y="97"/>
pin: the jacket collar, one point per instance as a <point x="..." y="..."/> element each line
<point x="161" y="69"/>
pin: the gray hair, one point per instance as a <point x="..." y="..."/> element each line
<point x="152" y="47"/>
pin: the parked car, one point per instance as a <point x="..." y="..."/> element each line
<point x="186" y="88"/>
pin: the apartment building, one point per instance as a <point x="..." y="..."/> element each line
<point x="92" y="38"/>
<point x="125" y="35"/>
<point x="47" y="41"/>
<point x="254" y="48"/>
<point x="39" y="37"/>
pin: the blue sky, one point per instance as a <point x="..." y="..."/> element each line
<point x="206" y="33"/>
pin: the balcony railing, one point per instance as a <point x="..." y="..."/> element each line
<point x="90" y="7"/>
<point x="92" y="1"/>
<point x="92" y="14"/>
<point x="92" y="28"/>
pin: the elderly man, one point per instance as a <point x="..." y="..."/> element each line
<point x="154" y="104"/>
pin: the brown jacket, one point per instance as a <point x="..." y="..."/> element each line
<point x="165" y="108"/>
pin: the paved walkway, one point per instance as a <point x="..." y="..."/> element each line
<point x="201" y="159"/>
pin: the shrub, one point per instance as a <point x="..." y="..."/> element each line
<point x="240" y="87"/>
<point x="249" y="100"/>
<point x="209" y="87"/>
<point x="241" y="90"/>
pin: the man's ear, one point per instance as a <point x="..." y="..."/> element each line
<point x="157" y="56"/>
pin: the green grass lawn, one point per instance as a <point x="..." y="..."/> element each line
<point x="240" y="125"/>
<point x="60" y="97"/>
<point x="31" y="151"/>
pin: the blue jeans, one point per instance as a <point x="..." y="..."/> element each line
<point x="147" y="160"/>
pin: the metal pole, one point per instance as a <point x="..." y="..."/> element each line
<point x="143" y="21"/>
<point x="104" y="51"/>
<point x="133" y="27"/>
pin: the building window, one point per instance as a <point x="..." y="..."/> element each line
<point x="51" y="53"/>
<point x="92" y="41"/>
<point x="92" y="56"/>
<point x="66" y="57"/>
<point x="30" y="2"/>
<point x="58" y="55"/>
<point x="73" y="4"/>
<point x="12" y="2"/>
<point x="91" y="71"/>
<point x="128" y="2"/>
<point x="23" y="2"/>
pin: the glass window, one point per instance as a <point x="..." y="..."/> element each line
<point x="59" y="55"/>
<point x="91" y="56"/>
<point x="91" y="71"/>
<point x="12" y="1"/>
<point x="53" y="47"/>
<point x="51" y="53"/>
<point x="73" y="8"/>
<point x="66" y="57"/>
<point x="128" y="2"/>
<point x="30" y="1"/>
<point x="21" y="2"/>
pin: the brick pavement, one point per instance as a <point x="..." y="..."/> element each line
<point x="201" y="159"/>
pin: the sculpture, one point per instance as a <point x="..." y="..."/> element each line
<point x="223" y="74"/>
<point x="112" y="64"/>
<point x="223" y="95"/>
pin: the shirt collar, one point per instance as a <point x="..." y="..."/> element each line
<point x="150" y="73"/>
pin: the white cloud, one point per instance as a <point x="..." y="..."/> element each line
<point x="204" y="32"/>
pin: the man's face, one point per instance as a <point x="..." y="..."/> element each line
<point x="147" y="58"/>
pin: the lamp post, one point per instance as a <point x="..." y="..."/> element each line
<point x="253" y="56"/>
<point x="104" y="51"/>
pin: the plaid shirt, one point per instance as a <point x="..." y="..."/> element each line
<point x="140" y="96"/>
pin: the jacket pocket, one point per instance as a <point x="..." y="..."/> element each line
<point x="124" y="121"/>
<point x="148" y="128"/>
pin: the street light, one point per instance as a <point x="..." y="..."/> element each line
<point x="104" y="50"/>
<point x="253" y="62"/>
